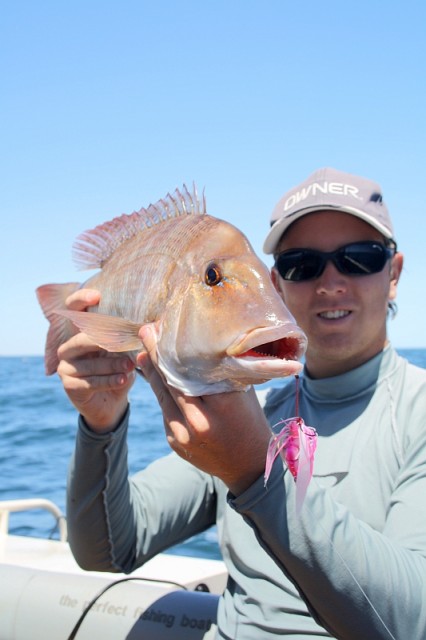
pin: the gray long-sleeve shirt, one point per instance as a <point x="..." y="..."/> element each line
<point x="351" y="566"/>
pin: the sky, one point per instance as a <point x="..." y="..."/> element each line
<point x="107" y="106"/>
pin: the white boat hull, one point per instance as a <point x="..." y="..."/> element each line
<point x="43" y="593"/>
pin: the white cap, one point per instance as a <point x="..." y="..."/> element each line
<point x="329" y="189"/>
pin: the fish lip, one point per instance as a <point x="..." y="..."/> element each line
<point x="285" y="342"/>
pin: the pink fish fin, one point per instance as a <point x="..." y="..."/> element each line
<point x="52" y="297"/>
<point x="109" y="332"/>
<point x="94" y="248"/>
<point x="307" y="446"/>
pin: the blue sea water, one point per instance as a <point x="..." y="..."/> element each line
<point x="37" y="430"/>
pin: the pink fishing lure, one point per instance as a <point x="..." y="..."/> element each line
<point x="296" y="443"/>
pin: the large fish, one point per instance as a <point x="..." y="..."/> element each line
<point x="220" y="323"/>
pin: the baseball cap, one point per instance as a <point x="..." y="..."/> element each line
<point x="330" y="189"/>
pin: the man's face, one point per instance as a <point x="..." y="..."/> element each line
<point x="343" y="316"/>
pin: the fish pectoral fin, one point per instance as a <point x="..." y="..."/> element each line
<point x="109" y="332"/>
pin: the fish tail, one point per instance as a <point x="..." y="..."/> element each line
<point x="52" y="298"/>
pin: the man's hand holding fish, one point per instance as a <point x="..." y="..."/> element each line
<point x="97" y="382"/>
<point x="225" y="435"/>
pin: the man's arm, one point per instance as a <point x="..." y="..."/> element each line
<point x="116" y="523"/>
<point x="356" y="581"/>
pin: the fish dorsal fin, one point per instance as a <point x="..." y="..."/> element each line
<point x="93" y="248"/>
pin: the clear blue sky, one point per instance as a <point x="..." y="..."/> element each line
<point x="106" y="106"/>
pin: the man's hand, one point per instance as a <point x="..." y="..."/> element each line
<point x="224" y="434"/>
<point x="96" y="382"/>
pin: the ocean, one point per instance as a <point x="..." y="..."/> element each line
<point x="37" y="430"/>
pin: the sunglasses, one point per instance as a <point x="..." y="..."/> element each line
<point x="355" y="259"/>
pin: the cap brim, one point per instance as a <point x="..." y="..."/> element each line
<point x="281" y="225"/>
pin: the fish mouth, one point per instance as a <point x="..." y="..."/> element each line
<point x="270" y="351"/>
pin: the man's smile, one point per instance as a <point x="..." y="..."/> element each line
<point x="334" y="314"/>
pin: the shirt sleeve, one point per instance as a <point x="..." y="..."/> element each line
<point x="357" y="582"/>
<point x="108" y="513"/>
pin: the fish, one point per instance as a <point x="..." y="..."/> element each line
<point x="220" y="324"/>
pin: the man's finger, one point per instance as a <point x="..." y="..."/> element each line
<point x="148" y="336"/>
<point x="82" y="298"/>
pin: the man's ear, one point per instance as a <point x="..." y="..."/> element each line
<point x="395" y="274"/>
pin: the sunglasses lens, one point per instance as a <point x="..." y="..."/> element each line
<point x="362" y="258"/>
<point x="356" y="259"/>
<point x="299" y="265"/>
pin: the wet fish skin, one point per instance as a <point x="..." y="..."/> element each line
<point x="195" y="277"/>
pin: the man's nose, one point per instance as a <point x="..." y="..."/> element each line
<point x="331" y="281"/>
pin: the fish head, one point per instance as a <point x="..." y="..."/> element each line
<point x="227" y="327"/>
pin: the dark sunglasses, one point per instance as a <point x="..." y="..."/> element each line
<point x="355" y="259"/>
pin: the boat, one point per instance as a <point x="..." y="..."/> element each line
<point x="45" y="595"/>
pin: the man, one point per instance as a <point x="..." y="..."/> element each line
<point x="352" y="564"/>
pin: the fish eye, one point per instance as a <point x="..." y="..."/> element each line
<point x="213" y="275"/>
